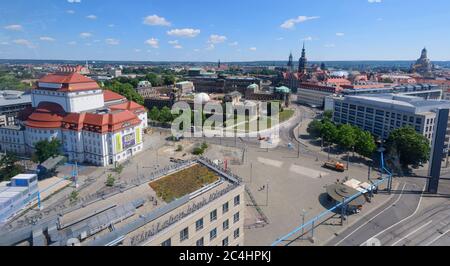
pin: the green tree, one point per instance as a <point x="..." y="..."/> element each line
<point x="169" y="79"/>
<point x="315" y="129"/>
<point x="73" y="197"/>
<point x="347" y="137"/>
<point x="110" y="180"/>
<point x="328" y="115"/>
<point x="154" y="79"/>
<point x="46" y="149"/>
<point x="412" y="147"/>
<point x="365" y="143"/>
<point x="165" y="115"/>
<point x="118" y="169"/>
<point x="329" y="132"/>
<point x="154" y="114"/>
<point x="125" y="89"/>
<point x="9" y="167"/>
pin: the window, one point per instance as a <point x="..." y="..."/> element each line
<point x="167" y="243"/>
<point x="213" y="234"/>
<point x="236" y="217"/>
<point x="225" y="208"/>
<point x="184" y="234"/>
<point x="237" y="200"/>
<point x="200" y="242"/>
<point x="213" y="216"/>
<point x="225" y="242"/>
<point x="199" y="224"/>
<point x="236" y="233"/>
<point x="226" y="225"/>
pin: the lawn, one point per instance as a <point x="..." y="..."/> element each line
<point x="184" y="182"/>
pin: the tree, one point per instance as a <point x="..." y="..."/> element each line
<point x="165" y="115"/>
<point x="364" y="143"/>
<point x="9" y="167"/>
<point x="73" y="197"/>
<point x="329" y="131"/>
<point x="412" y="147"/>
<point x="154" y="79"/>
<point x="110" y="180"/>
<point x="169" y="79"/>
<point x="125" y="89"/>
<point x="154" y="114"/>
<point x="46" y="149"/>
<point x="347" y="137"/>
<point x="315" y="129"/>
<point x="118" y="169"/>
<point x="328" y="115"/>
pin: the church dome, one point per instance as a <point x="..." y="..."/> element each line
<point x="202" y="98"/>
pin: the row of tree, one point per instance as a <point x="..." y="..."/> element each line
<point x="349" y="138"/>
<point x="412" y="148"/>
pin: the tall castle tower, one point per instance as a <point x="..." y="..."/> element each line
<point x="302" y="63"/>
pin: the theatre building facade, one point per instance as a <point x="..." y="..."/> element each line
<point x="94" y="126"/>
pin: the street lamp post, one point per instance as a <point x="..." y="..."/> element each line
<point x="267" y="194"/>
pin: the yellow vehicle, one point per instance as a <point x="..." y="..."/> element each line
<point x="336" y="166"/>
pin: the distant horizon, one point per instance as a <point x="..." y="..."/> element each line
<point x="243" y="31"/>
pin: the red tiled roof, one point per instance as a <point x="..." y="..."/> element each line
<point x="130" y="105"/>
<point x="65" y="78"/>
<point x="110" y="96"/>
<point x="46" y="115"/>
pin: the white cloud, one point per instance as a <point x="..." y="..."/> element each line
<point x="111" y="41"/>
<point x="279" y="39"/>
<point x="330" y="45"/>
<point x="137" y="50"/>
<point x="85" y="35"/>
<point x="47" y="39"/>
<point x="196" y="50"/>
<point x="216" y="39"/>
<point x="374" y="1"/>
<point x="290" y="23"/>
<point x="153" y="42"/>
<point x="15" y="27"/>
<point x="155" y="20"/>
<point x="190" y="33"/>
<point x="308" y="39"/>
<point x="24" y="42"/>
<point x="74" y="1"/>
<point x="178" y="46"/>
<point x="340" y="34"/>
<point x="70" y="12"/>
<point x="93" y="17"/>
<point x="210" y="47"/>
<point x="252" y="48"/>
<point x="111" y="25"/>
<point x="173" y="42"/>
<point x="233" y="44"/>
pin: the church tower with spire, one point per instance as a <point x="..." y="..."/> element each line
<point x="291" y="63"/>
<point x="302" y="63"/>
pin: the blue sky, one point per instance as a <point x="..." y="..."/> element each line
<point x="231" y="30"/>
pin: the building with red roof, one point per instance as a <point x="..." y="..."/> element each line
<point x="96" y="126"/>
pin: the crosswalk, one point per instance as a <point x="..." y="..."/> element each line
<point x="294" y="168"/>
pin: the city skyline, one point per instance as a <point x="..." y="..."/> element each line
<point x="241" y="31"/>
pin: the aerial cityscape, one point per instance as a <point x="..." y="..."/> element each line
<point x="224" y="123"/>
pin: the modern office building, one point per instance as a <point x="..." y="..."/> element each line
<point x="381" y="114"/>
<point x="94" y="126"/>
<point x="11" y="103"/>
<point x="426" y="91"/>
<point x="314" y="94"/>
<point x="17" y="194"/>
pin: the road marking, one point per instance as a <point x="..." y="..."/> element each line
<point x="404" y="185"/>
<point x="413" y="232"/>
<point x="399" y="222"/>
<point x="308" y="172"/>
<point x="437" y="238"/>
<point x="270" y="162"/>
